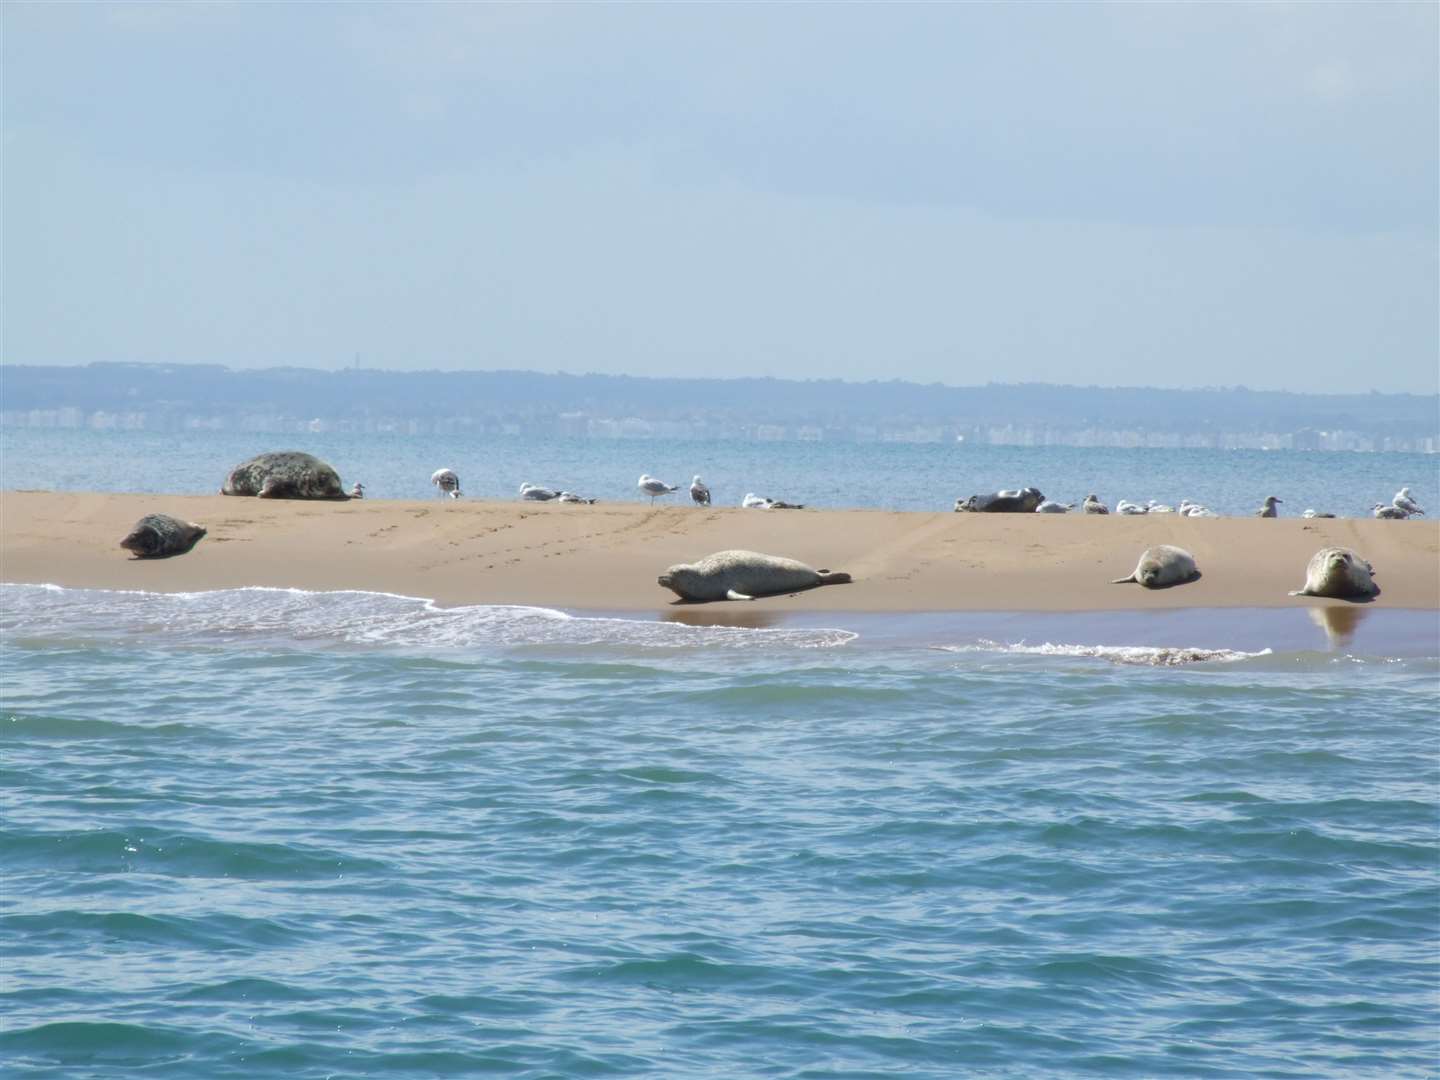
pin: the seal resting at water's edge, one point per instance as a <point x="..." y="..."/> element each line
<point x="744" y="575"/>
<point x="1339" y="573"/>
<point x="1162" y="566"/>
<point x="158" y="536"/>
<point x="284" y="474"/>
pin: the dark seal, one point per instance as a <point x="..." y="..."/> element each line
<point x="158" y="536"/>
<point x="284" y="474"/>
<point x="1002" y="502"/>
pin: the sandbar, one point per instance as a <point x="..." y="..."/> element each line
<point x="606" y="557"/>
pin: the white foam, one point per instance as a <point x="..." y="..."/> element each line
<point x="1145" y="655"/>
<point x="354" y="618"/>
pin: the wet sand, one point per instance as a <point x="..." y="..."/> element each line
<point x="606" y="557"/>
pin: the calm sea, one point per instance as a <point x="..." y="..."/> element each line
<point x="267" y="833"/>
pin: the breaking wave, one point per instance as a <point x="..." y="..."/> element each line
<point x="352" y="618"/>
<point x="1141" y="655"/>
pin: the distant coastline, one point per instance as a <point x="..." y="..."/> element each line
<point x="201" y="397"/>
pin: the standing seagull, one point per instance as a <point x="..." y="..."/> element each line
<point x="1268" y="510"/>
<point x="447" y="482"/>
<point x="1404" y="501"/>
<point x="1094" y="505"/>
<point x="699" y="492"/>
<point x="654" y="488"/>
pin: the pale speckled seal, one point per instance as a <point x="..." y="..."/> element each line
<point x="158" y="536"/>
<point x="284" y="474"/>
<point x="1162" y="566"/>
<point x="744" y="575"/>
<point x="1339" y="573"/>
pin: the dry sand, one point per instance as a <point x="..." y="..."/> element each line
<point x="606" y="557"/>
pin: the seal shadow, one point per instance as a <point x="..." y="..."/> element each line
<point x="749" y="619"/>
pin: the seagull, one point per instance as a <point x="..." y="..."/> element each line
<point x="571" y="497"/>
<point x="1404" y="501"/>
<point x="1051" y="507"/>
<point x="652" y="487"/>
<point x="1094" y="505"/>
<point x="1315" y="514"/>
<point x="777" y="504"/>
<point x="536" y="493"/>
<point x="1389" y="513"/>
<point x="1196" y="510"/>
<point x="1153" y="507"/>
<point x="1125" y="506"/>
<point x="754" y="502"/>
<point x="447" y="482"/>
<point x="358" y="491"/>
<point x="699" y="492"/>
<point x="1268" y="510"/>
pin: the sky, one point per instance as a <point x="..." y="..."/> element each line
<point x="1171" y="195"/>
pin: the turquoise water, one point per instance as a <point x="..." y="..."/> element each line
<point x="264" y="833"/>
<point x="269" y="833"/>
<point x="880" y="475"/>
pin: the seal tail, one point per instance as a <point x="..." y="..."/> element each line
<point x="833" y="577"/>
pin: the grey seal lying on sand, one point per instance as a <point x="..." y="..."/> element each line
<point x="1339" y="573"/>
<point x="744" y="575"/>
<point x="1023" y="501"/>
<point x="158" y="536"/>
<point x="284" y="474"/>
<point x="1162" y="566"/>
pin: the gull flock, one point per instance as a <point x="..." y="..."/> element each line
<point x="1017" y="500"/>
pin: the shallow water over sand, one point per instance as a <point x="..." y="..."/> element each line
<point x="268" y="833"/>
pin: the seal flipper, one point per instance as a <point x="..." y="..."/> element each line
<point x="1124" y="580"/>
<point x="731" y="594"/>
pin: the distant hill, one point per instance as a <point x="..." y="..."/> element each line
<point x="172" y="396"/>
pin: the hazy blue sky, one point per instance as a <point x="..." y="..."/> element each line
<point x="1139" y="194"/>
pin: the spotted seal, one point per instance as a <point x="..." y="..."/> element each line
<point x="284" y="474"/>
<point x="158" y="536"/>
<point x="1024" y="501"/>
<point x="1162" y="566"/>
<point x="744" y="575"/>
<point x="1339" y="573"/>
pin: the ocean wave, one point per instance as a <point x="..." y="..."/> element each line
<point x="1141" y="655"/>
<point x="353" y="618"/>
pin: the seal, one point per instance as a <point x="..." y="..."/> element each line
<point x="284" y="474"/>
<point x="159" y="536"/>
<point x="1162" y="566"/>
<point x="1339" y="573"/>
<point x="1024" y="501"/>
<point x="744" y="575"/>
